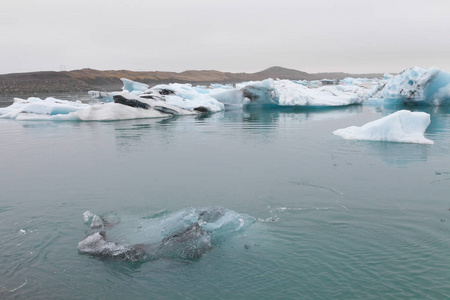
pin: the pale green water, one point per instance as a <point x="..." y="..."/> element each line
<point x="353" y="219"/>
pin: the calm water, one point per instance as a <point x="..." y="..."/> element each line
<point x="336" y="219"/>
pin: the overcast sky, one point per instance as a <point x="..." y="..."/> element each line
<point x="226" y="35"/>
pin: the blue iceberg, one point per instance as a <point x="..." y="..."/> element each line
<point x="415" y="86"/>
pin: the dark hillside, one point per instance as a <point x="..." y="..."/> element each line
<point x="90" y="79"/>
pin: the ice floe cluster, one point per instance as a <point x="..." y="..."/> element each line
<point x="414" y="86"/>
<point x="137" y="100"/>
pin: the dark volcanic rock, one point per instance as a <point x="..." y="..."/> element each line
<point x="201" y="109"/>
<point x="130" y="102"/>
<point x="40" y="82"/>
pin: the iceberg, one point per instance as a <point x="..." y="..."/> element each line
<point x="229" y="97"/>
<point x="291" y="93"/>
<point x="113" y="112"/>
<point x="97" y="97"/>
<point x="136" y="101"/>
<point x="402" y="126"/>
<point x="134" y="87"/>
<point x="53" y="109"/>
<point x="265" y="92"/>
<point x="152" y="103"/>
<point x="415" y="86"/>
<point x="260" y="92"/>
<point x="184" y="96"/>
<point x="35" y="108"/>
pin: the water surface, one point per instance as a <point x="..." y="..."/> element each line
<point x="335" y="218"/>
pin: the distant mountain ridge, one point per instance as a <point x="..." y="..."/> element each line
<point x="90" y="79"/>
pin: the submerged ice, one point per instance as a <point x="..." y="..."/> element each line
<point x="402" y="126"/>
<point x="184" y="234"/>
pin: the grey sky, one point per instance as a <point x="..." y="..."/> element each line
<point x="226" y="35"/>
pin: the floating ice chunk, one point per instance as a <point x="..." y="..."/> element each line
<point x="362" y="82"/>
<point x="348" y="80"/>
<point x="262" y="92"/>
<point x="229" y="96"/>
<point x="354" y="81"/>
<point x="97" y="245"/>
<point x="34" y="107"/>
<point x="302" y="82"/>
<point x="402" y="126"/>
<point x="417" y="86"/>
<point x="221" y="86"/>
<point x="265" y="84"/>
<point x="292" y="94"/>
<point x="201" y="89"/>
<point x="96" y="222"/>
<point x="185" y="234"/>
<point x="184" y="96"/>
<point x="115" y="111"/>
<point x="62" y="110"/>
<point x="387" y="76"/>
<point x="191" y="242"/>
<point x="134" y="87"/>
<point x="213" y="99"/>
<point x="98" y="96"/>
<point x="153" y="102"/>
<point x="87" y="215"/>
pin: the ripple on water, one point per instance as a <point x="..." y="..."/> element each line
<point x="386" y="253"/>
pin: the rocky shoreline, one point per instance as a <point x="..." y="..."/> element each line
<point x="20" y="87"/>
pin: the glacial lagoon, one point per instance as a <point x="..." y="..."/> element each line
<point x="330" y="218"/>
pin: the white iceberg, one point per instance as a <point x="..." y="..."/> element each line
<point x="269" y="91"/>
<point x="184" y="96"/>
<point x="35" y="108"/>
<point x="415" y="86"/>
<point x="402" y="126"/>
<point x="291" y="93"/>
<point x="53" y="109"/>
<point x="230" y="97"/>
<point x="113" y="112"/>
